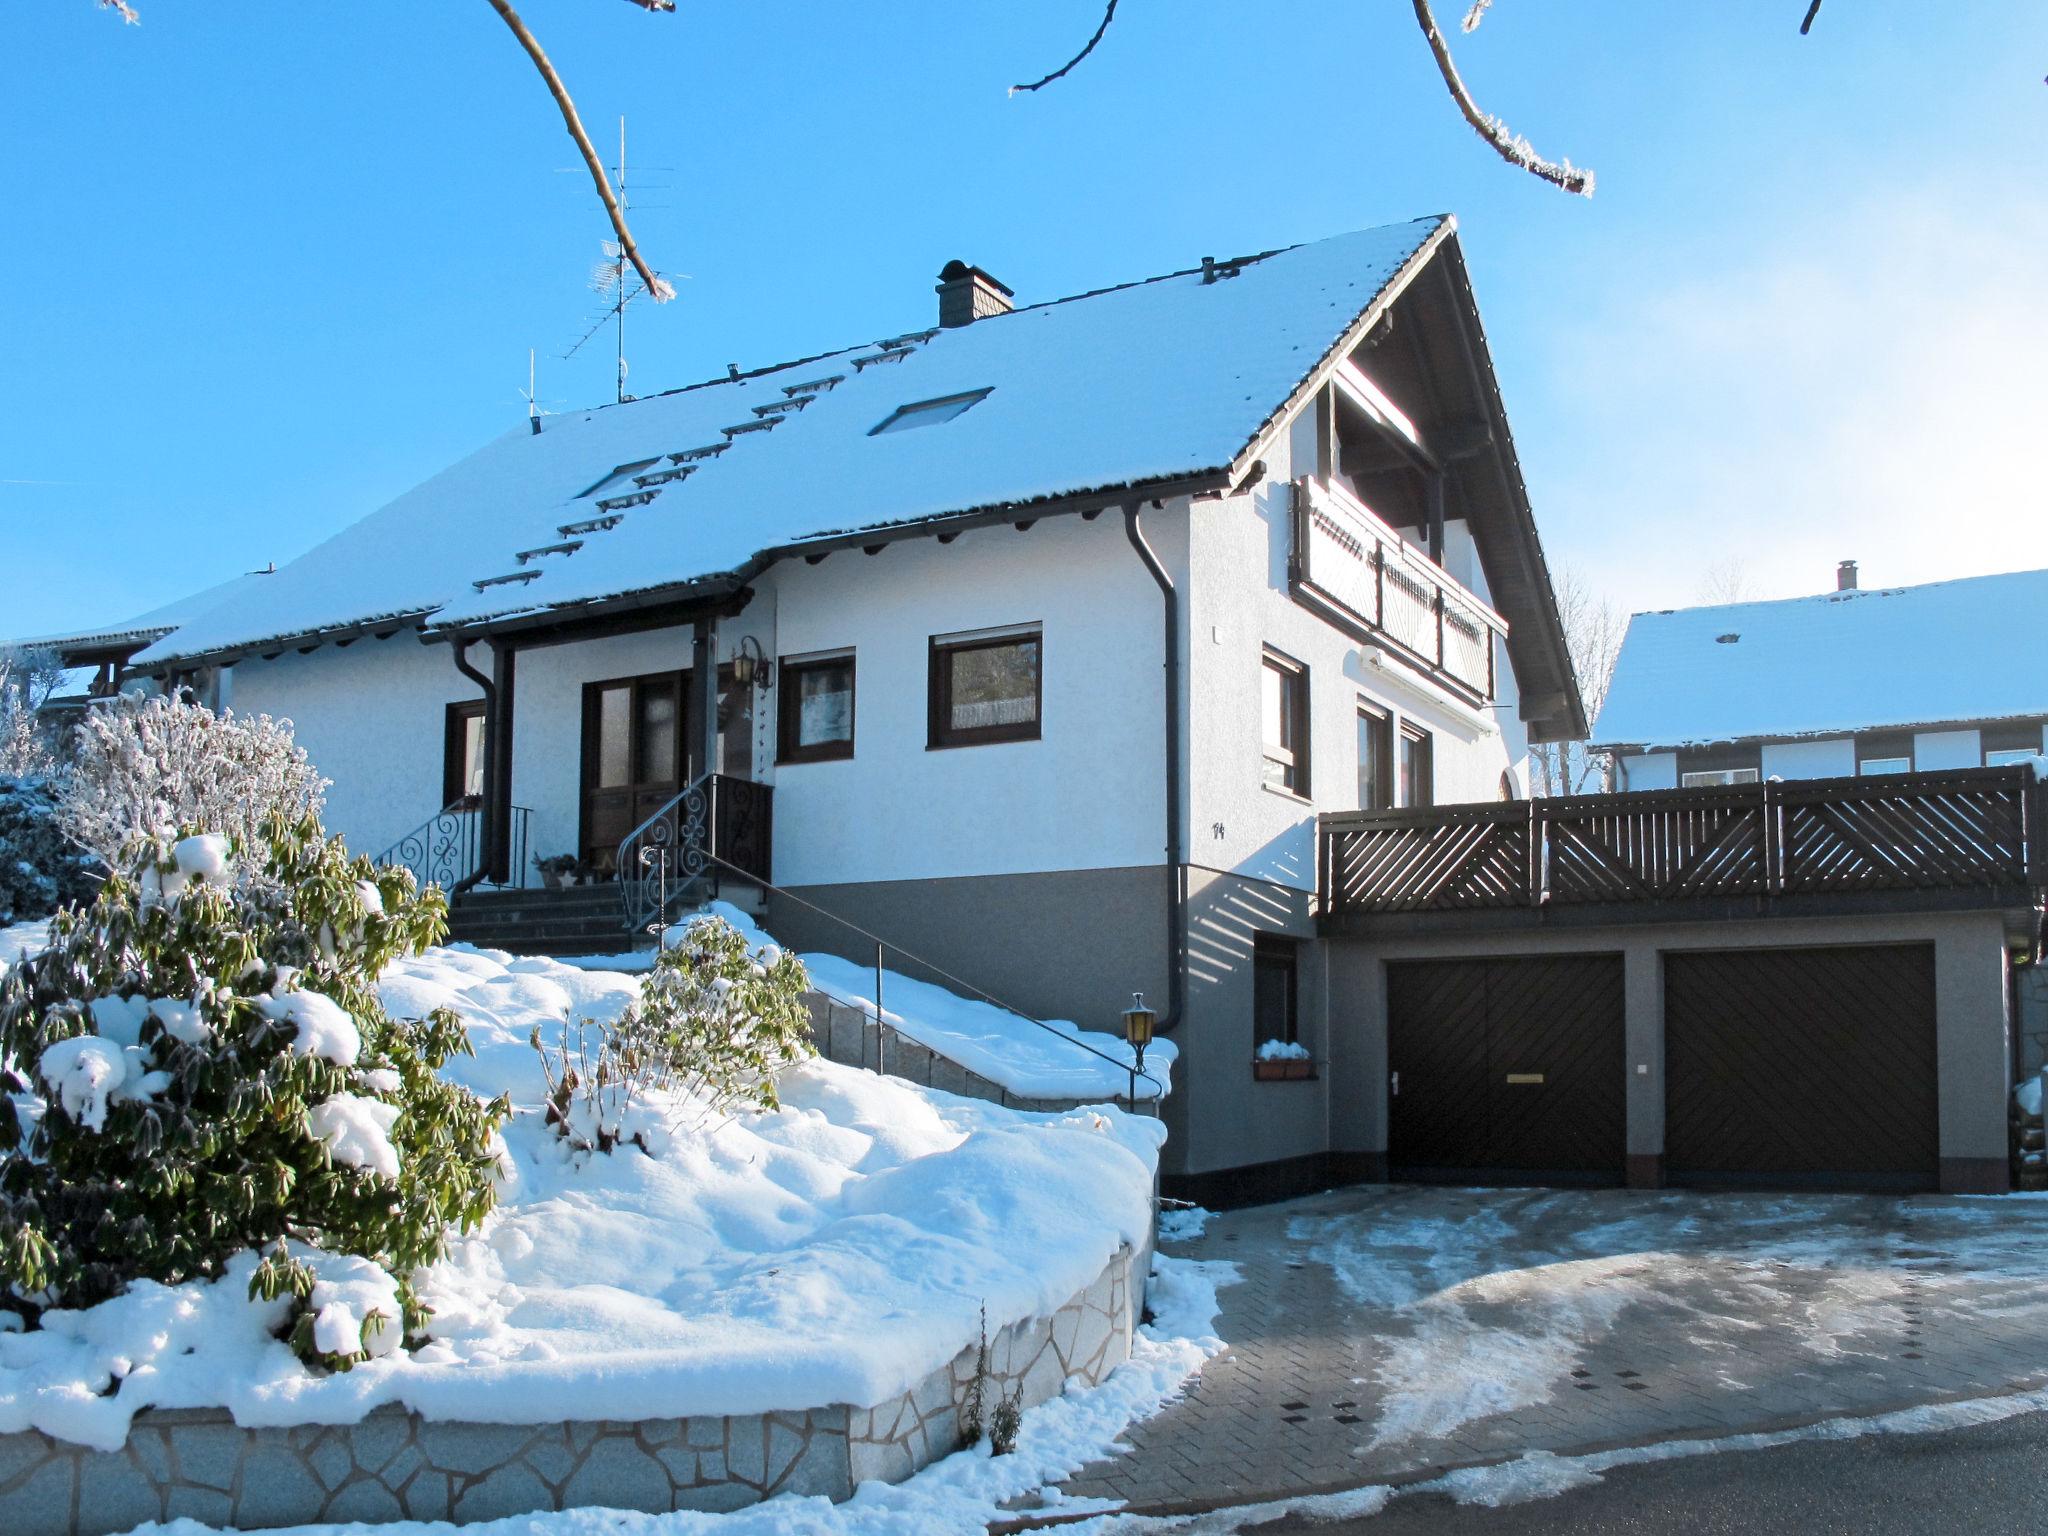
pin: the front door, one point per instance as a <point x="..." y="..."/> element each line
<point x="639" y="736"/>
<point x="632" y="756"/>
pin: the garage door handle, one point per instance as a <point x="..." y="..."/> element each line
<point x="1396" y="1083"/>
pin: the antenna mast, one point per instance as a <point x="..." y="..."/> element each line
<point x="622" y="264"/>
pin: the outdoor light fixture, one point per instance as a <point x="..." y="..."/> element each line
<point x="751" y="669"/>
<point x="1138" y="1022"/>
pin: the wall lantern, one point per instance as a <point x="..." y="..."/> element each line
<point x="751" y="667"/>
<point x="1138" y="1022"/>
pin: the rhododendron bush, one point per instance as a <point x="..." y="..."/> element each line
<point x="200" y="1067"/>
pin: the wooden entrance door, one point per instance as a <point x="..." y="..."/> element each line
<point x="633" y="756"/>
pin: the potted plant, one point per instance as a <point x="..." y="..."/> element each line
<point x="560" y="870"/>
<point x="1282" y="1061"/>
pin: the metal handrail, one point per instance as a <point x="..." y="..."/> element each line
<point x="446" y="849"/>
<point x="882" y="945"/>
<point x="644" y="863"/>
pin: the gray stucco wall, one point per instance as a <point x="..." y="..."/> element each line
<point x="1973" y="1043"/>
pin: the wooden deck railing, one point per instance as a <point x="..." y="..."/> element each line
<point x="1975" y="828"/>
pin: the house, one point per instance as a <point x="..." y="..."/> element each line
<point x="1855" y="681"/>
<point x="1032" y="642"/>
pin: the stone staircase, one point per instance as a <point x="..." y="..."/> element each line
<point x="583" y="920"/>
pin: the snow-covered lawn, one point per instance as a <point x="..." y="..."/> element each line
<point x="835" y="1252"/>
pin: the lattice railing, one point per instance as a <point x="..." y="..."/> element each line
<point x="1978" y="828"/>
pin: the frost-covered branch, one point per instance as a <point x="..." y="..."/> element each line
<point x="1108" y="16"/>
<point x="1476" y="15"/>
<point x="1510" y="146"/>
<point x="657" y="287"/>
<point x="122" y="9"/>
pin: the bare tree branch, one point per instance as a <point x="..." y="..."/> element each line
<point x="124" y="10"/>
<point x="660" y="290"/>
<point x="1812" y="11"/>
<point x="1476" y="15"/>
<point x="1511" y="147"/>
<point x="1038" y="85"/>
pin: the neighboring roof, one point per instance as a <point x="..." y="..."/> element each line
<point x="1148" y="387"/>
<point x="144" y="628"/>
<point x="1844" y="661"/>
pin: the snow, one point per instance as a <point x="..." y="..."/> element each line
<point x="835" y="1252"/>
<point x="1004" y="1047"/>
<point x="20" y="940"/>
<point x="1839" y="662"/>
<point x="1163" y="378"/>
<point x="84" y="1072"/>
<point x="355" y="1307"/>
<point x="357" y="1132"/>
<point x="324" y="1027"/>
<point x="1180" y="1222"/>
<point x="967" y="1491"/>
<point x="1282" y="1050"/>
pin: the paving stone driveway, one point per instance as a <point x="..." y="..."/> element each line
<point x="1382" y="1331"/>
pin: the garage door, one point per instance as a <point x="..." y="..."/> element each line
<point x="1507" y="1067"/>
<point x="1802" y="1067"/>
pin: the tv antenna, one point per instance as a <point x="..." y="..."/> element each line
<point x="615" y="279"/>
<point x="535" y="406"/>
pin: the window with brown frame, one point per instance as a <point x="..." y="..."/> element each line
<point x="1275" y="990"/>
<point x="987" y="686"/>
<point x="1283" y="722"/>
<point x="1418" y="767"/>
<point x="462" y="752"/>
<point x="814" y="712"/>
<point x="1375" y="758"/>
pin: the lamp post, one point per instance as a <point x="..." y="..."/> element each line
<point x="1138" y="1022"/>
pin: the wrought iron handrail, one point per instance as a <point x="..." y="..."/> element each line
<point x="447" y="848"/>
<point x="1972" y="828"/>
<point x="882" y="946"/>
<point x="661" y="860"/>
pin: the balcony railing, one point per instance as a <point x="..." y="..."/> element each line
<point x="1972" y="829"/>
<point x="1357" y="570"/>
<point x="447" y="847"/>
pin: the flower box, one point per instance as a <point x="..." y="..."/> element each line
<point x="1283" y="1070"/>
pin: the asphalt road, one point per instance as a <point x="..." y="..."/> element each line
<point x="1986" y="1480"/>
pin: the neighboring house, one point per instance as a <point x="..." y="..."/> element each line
<point x="1041" y="636"/>
<point x="97" y="660"/>
<point x="1891" y="680"/>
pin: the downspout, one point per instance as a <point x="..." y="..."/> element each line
<point x="1176" y="862"/>
<point x="491" y="769"/>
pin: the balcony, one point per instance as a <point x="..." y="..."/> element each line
<point x="1975" y="837"/>
<point x="1358" y="573"/>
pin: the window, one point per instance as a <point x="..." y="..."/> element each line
<point x="1274" y="992"/>
<point x="1418" y="772"/>
<point x="620" y="479"/>
<point x="1283" y="723"/>
<point x="462" y="756"/>
<point x="1703" y="778"/>
<point x="1375" y="759"/>
<point x="2008" y="744"/>
<point x="987" y="686"/>
<point x="1888" y="753"/>
<point x="815" y="708"/>
<point x="929" y="413"/>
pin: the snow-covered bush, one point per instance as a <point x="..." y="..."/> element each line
<point x="145" y="766"/>
<point x="28" y="676"/>
<point x="200" y="1067"/>
<point x="40" y="868"/>
<point x="714" y="1023"/>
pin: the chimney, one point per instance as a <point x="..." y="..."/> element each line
<point x="1845" y="576"/>
<point x="967" y="294"/>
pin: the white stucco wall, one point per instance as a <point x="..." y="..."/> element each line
<point x="1832" y="757"/>
<point x="1089" y="794"/>
<point x="1238" y="604"/>
<point x="1648" y="770"/>
<point x="1947" y="749"/>
<point x="372" y="718"/>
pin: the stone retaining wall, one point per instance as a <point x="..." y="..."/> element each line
<point x="396" y="1465"/>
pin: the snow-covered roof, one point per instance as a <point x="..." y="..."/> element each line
<point x="1844" y="661"/>
<point x="1173" y="377"/>
<point x="157" y="623"/>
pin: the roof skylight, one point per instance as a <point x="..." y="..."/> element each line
<point x="618" y="477"/>
<point x="929" y="413"/>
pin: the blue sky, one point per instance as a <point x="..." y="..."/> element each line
<point x="267" y="266"/>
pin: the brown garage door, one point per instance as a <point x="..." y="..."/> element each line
<point x="1802" y="1067"/>
<point x="1511" y="1067"/>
